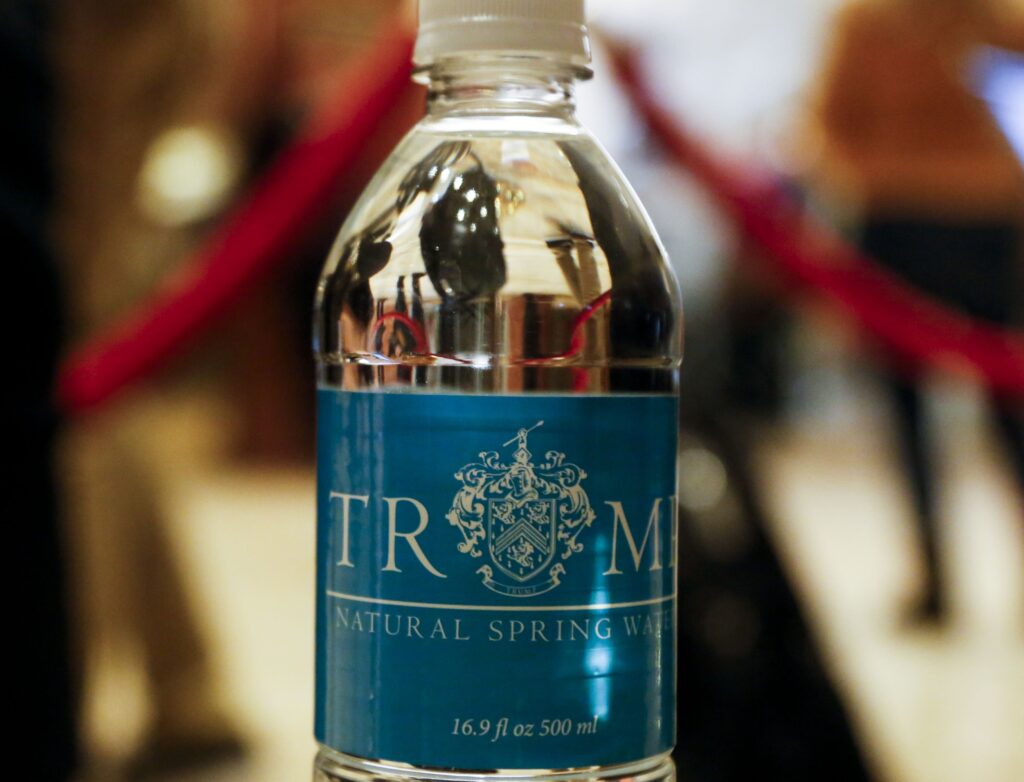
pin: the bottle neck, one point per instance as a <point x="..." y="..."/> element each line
<point x="496" y="86"/>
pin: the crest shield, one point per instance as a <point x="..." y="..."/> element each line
<point x="521" y="535"/>
<point x="529" y="515"/>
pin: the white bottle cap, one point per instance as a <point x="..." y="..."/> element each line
<point x="555" y="28"/>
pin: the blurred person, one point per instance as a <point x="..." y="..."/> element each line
<point x="131" y="73"/>
<point x="938" y="195"/>
<point x="756" y="701"/>
<point x="755" y="697"/>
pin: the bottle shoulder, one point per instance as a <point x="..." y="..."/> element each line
<point x="505" y="219"/>
<point x="549" y="180"/>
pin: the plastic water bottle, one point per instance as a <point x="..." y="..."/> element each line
<point x="498" y="338"/>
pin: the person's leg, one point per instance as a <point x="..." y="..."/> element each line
<point x="42" y="695"/>
<point x="915" y="454"/>
<point x="910" y="250"/>
<point x="1008" y="417"/>
<point x="995" y="297"/>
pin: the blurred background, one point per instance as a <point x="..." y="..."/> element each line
<point x="841" y="193"/>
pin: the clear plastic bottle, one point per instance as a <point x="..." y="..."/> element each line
<point x="498" y="338"/>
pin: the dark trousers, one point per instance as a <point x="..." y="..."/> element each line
<point x="41" y="695"/>
<point x="973" y="268"/>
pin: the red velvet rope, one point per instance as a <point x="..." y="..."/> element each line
<point x="917" y="328"/>
<point x="252" y="241"/>
<point x="577" y="339"/>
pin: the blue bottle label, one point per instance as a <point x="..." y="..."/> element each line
<point x="496" y="578"/>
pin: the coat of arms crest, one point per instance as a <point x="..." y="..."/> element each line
<point x="528" y="515"/>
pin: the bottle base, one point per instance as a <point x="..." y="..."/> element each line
<point x="331" y="766"/>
